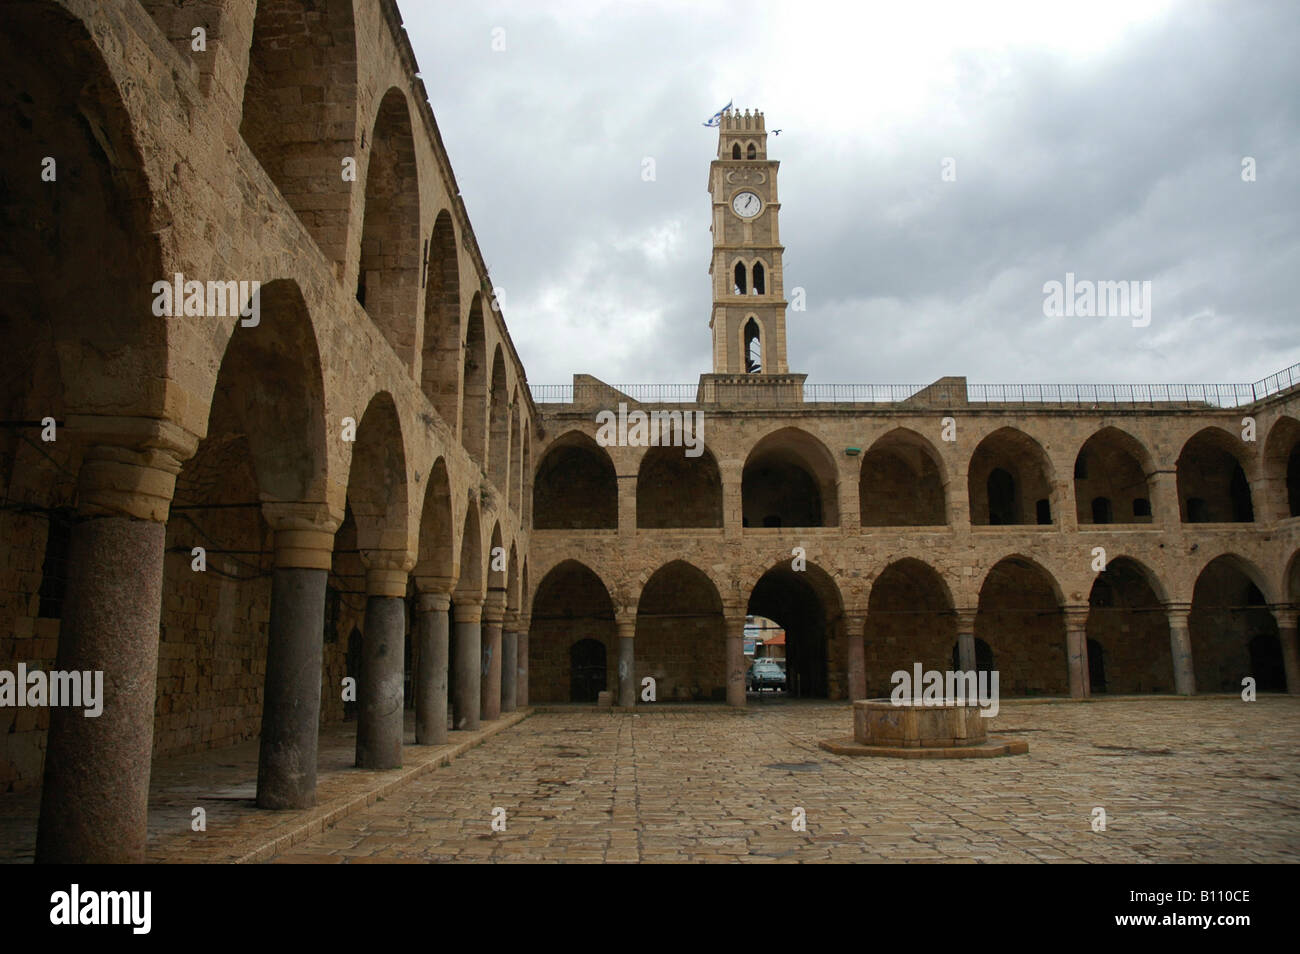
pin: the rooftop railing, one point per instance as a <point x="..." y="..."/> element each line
<point x="1060" y="395"/>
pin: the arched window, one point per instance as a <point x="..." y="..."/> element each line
<point x="735" y="151"/>
<point x="740" y="285"/>
<point x="753" y="348"/>
<point x="1101" y="510"/>
<point x="759" y="280"/>
<point x="751" y="153"/>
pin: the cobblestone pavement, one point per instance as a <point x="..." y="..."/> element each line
<point x="1200" y="780"/>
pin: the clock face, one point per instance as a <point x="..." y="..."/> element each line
<point x="746" y="205"/>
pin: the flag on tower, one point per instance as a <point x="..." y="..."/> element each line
<point x="716" y="119"/>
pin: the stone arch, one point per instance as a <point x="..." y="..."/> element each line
<point x="910" y="620"/>
<point x="679" y="634"/>
<point x="437" y="527"/>
<point x="901" y="482"/>
<point x="790" y="479"/>
<point x="759" y="273"/>
<point x="808" y="605"/>
<point x="388" y="273"/>
<point x="1213" y="481"/>
<point x="440" y="374"/>
<point x="1020" y="618"/>
<point x="1128" y="631"/>
<point x="674" y="490"/>
<point x="377" y="485"/>
<point x="575" y="487"/>
<point x="1010" y="480"/>
<point x="65" y="103"/>
<point x="499" y="425"/>
<point x="474" y="384"/>
<point x="735" y="151"/>
<point x="515" y="465"/>
<point x="740" y="278"/>
<point x="1282" y="466"/>
<point x="1233" y="633"/>
<point x="177" y="21"/>
<point x="265" y="443"/>
<point x="299" y="107"/>
<point x="1112" y="466"/>
<point x="471" y="580"/>
<point x="751" y="151"/>
<point x="572" y="604"/>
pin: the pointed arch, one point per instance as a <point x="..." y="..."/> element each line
<point x="901" y="482"/>
<point x="575" y="487"/>
<point x="1110" y="479"/>
<point x="1213" y="480"/>
<point x="679" y="634"/>
<point x="572" y="606"/>
<point x="1020" y="618"/>
<point x="790" y="479"/>
<point x="474" y="385"/>
<point x="1010" y="480"/>
<point x="299" y="107"/>
<point x="388" y="273"/>
<point x="499" y="431"/>
<point x="440" y="375"/>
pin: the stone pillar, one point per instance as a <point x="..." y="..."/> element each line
<point x="383" y="645"/>
<point x="1286" y="617"/>
<point x="627" y="503"/>
<point x="490" y="686"/>
<point x="1165" y="511"/>
<point x="1180" y="646"/>
<point x="286" y="764"/>
<point x="431" y="630"/>
<point x="521" y="688"/>
<point x="466" y="703"/>
<point x="95" y="795"/>
<point x="854" y="626"/>
<point x="733" y="511"/>
<point x="966" y="639"/>
<point x="735" y="635"/>
<point x="627" y="685"/>
<point x="510" y="663"/>
<point x="1076" y="651"/>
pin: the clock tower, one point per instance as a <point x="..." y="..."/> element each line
<point x="748" y="319"/>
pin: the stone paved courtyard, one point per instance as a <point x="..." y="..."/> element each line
<point x="1200" y="780"/>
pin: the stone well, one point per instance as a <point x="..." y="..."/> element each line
<point x="917" y="730"/>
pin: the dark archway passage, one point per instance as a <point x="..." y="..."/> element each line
<point x="807" y="605"/>
<point x="572" y="608"/>
<point x="909" y="620"/>
<point x="1127" y="625"/>
<point x="680" y="635"/>
<point x="1232" y="630"/>
<point x="587" y="673"/>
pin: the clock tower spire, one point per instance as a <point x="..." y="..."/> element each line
<point x="748" y="318"/>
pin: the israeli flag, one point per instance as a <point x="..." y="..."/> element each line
<point x="716" y="120"/>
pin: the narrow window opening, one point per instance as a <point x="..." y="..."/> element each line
<point x="752" y="153"/>
<point x="1101" y="510"/>
<point x="760" y="282"/>
<point x="735" y="151"/>
<point x="753" y="348"/>
<point x="741" y="283"/>
<point x="1043" y="510"/>
<point x="1141" y="507"/>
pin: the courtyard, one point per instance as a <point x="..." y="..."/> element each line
<point x="1180" y="780"/>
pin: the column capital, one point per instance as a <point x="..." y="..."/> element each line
<point x="1178" y="612"/>
<point x="1076" y="615"/>
<point x="469" y="611"/>
<point x="626" y="627"/>
<point x="966" y="618"/>
<point x="1286" y="615"/>
<point x="425" y="583"/>
<point x="386" y="571"/>
<point x="129" y="464"/>
<point x="304" y="533"/>
<point x="494" y="606"/>
<point x="433" y="602"/>
<point x="735" y="626"/>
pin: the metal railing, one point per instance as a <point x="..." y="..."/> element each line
<point x="1059" y="395"/>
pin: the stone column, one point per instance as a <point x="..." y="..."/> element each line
<point x="1286" y="617"/>
<point x="510" y="663"/>
<point x="735" y="635"/>
<point x="383" y="645"/>
<point x="95" y="795"/>
<point x="465" y="702"/>
<point x="1076" y="650"/>
<point x="1180" y="646"/>
<point x="521" y="688"/>
<point x="855" y="625"/>
<point x="490" y="686"/>
<point x="304" y="546"/>
<point x="627" y="663"/>
<point x="1165" y="511"/>
<point x="733" y="510"/>
<point x="966" y="639"/>
<point x="626" y="502"/>
<point x="431" y="630"/>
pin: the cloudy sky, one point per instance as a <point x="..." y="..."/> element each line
<point x="1101" y="138"/>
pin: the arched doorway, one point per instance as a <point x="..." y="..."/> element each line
<point x="807" y="605"/>
<point x="587" y="675"/>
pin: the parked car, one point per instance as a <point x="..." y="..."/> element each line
<point x="765" y="674"/>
